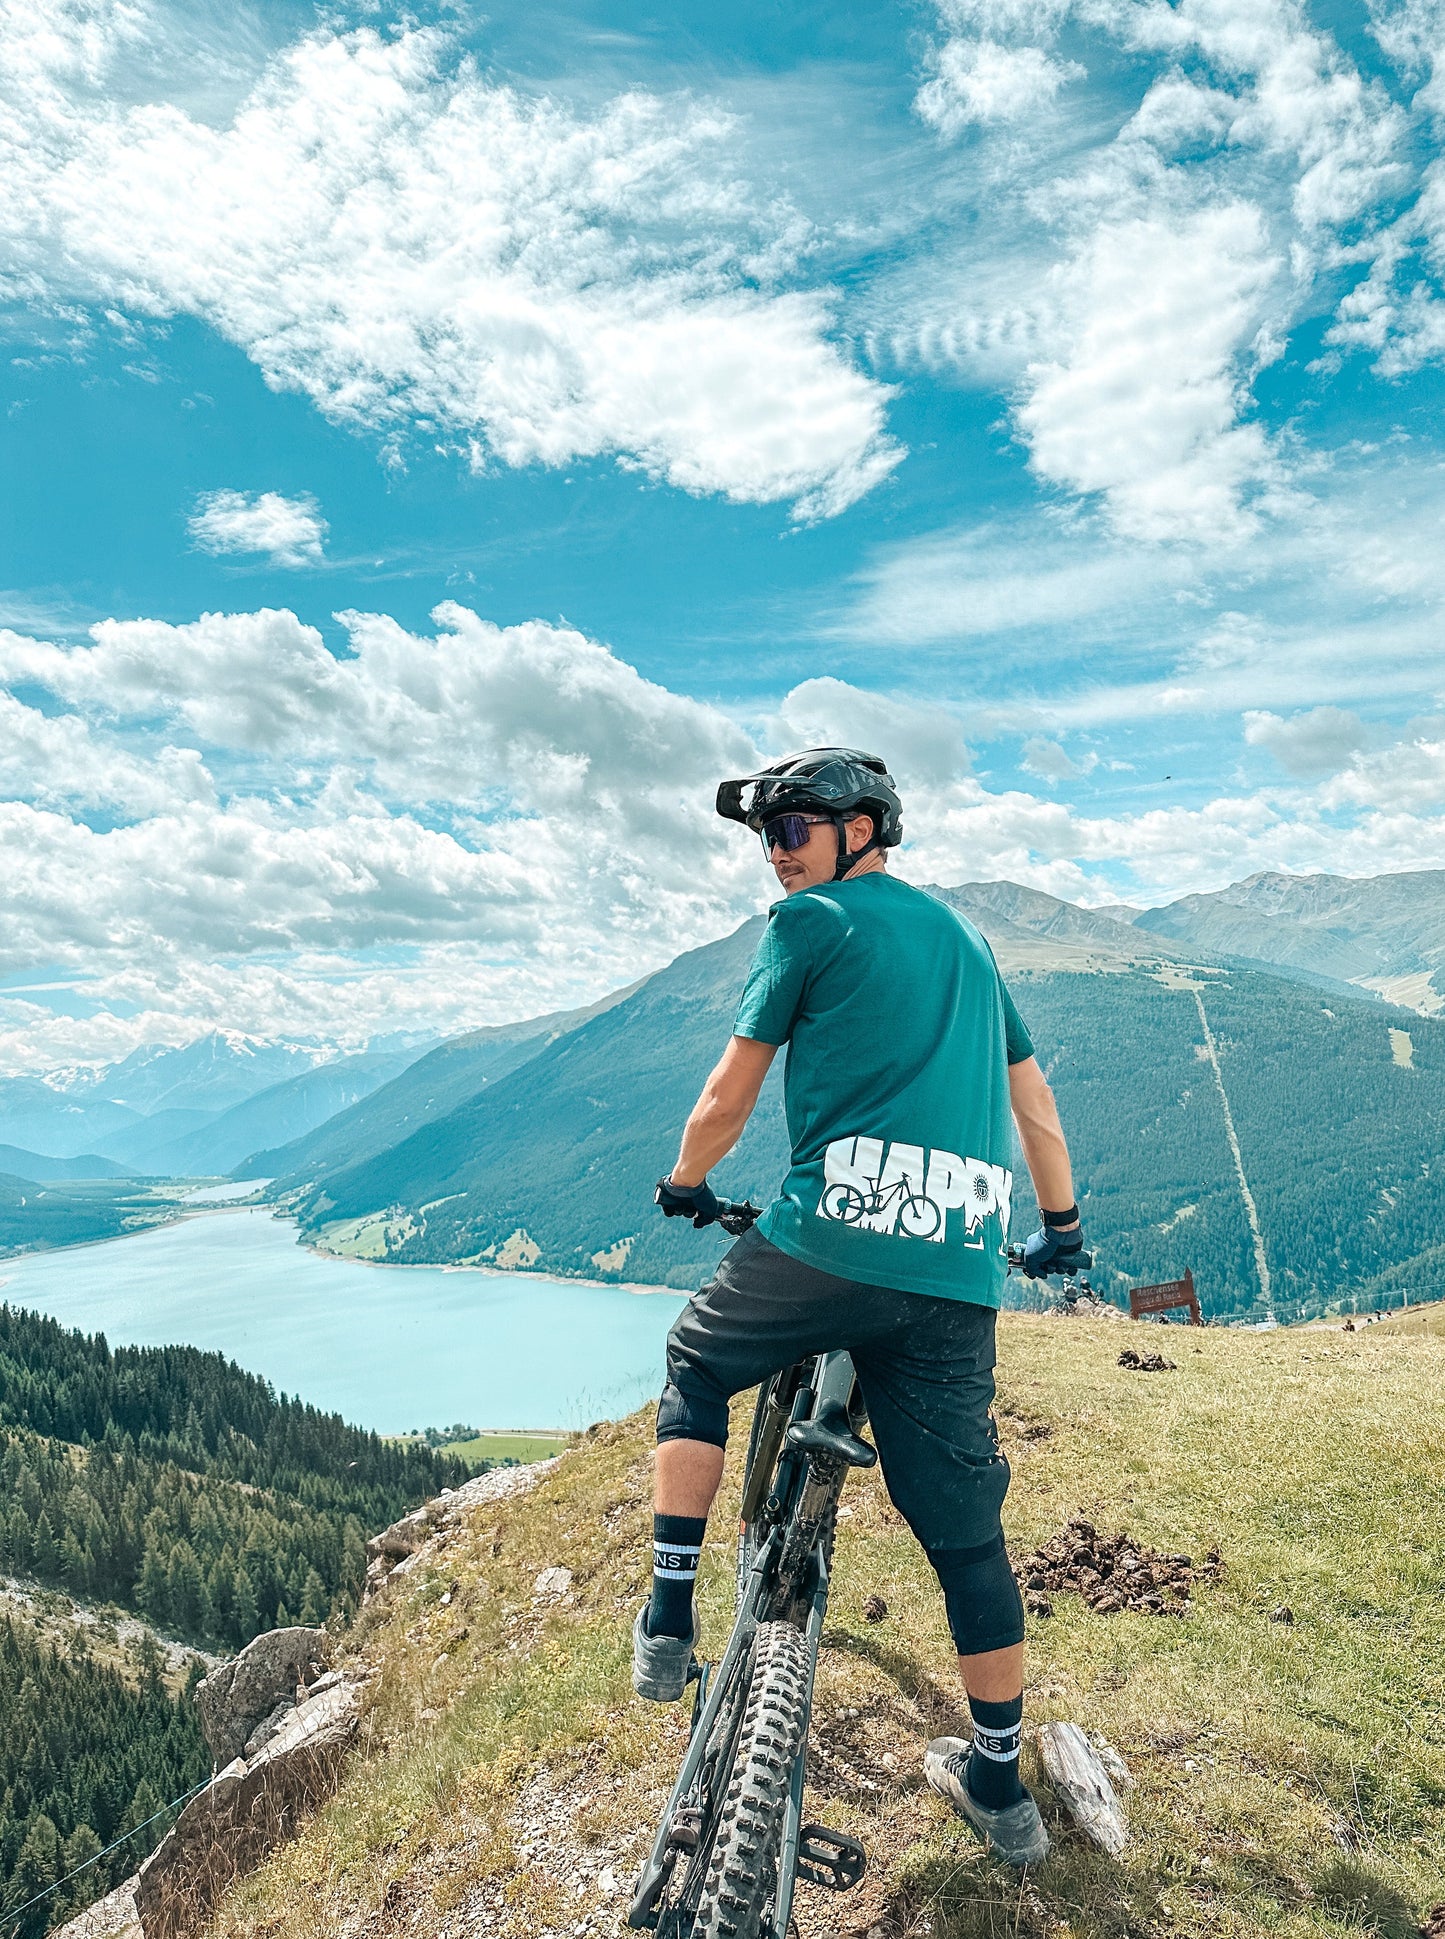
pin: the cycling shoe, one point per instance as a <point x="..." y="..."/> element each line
<point x="1016" y="1834"/>
<point x="660" y="1664"/>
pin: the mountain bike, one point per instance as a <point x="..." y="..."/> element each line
<point x="732" y="1842"/>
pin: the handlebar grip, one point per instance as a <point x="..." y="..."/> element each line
<point x="737" y="1215"/>
<point x="1061" y="1268"/>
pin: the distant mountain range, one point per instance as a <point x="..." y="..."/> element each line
<point x="1386" y="933"/>
<point x="535" y="1144"/>
<point x="429" y="1088"/>
<point x="1337" y="1101"/>
<point x="195" y="1111"/>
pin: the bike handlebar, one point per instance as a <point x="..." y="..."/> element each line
<point x="736" y="1215"/>
<point x="1081" y="1262"/>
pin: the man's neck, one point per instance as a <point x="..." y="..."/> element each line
<point x="873" y="863"/>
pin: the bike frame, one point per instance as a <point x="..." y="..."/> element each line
<point x="794" y="1473"/>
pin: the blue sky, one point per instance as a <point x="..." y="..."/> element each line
<point x="436" y="446"/>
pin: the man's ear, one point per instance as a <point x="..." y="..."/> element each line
<point x="860" y="833"/>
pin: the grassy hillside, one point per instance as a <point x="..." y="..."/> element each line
<point x="1289" y="1778"/>
<point x="553" y="1164"/>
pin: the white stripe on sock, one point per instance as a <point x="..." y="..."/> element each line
<point x="990" y="1746"/>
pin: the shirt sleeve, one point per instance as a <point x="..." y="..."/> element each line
<point x="773" y="993"/>
<point x="1020" y="1043"/>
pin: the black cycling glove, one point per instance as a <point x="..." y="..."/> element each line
<point x="696" y="1202"/>
<point x="1052" y="1251"/>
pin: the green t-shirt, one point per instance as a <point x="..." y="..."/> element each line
<point x="899" y="1034"/>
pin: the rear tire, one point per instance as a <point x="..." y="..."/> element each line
<point x="742" y="1874"/>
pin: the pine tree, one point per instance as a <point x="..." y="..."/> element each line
<point x="37" y="1867"/>
<point x="72" y="1564"/>
<point x="245" y="1616"/>
<point x="80" y="1848"/>
<point x="152" y="1589"/>
<point x="44" y="1555"/>
<point x="183" y="1583"/>
<point x="315" y="1603"/>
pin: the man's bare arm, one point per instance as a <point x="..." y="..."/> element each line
<point x="1042" y="1137"/>
<point x="725" y="1106"/>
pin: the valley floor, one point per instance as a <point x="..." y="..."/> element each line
<point x="1289" y="1775"/>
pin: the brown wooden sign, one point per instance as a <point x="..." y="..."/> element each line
<point x="1164" y="1297"/>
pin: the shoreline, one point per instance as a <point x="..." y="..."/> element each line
<point x="488" y="1272"/>
<point x="185" y="1213"/>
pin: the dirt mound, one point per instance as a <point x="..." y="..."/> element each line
<point x="1111" y="1572"/>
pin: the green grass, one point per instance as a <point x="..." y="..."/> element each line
<point x="509" y="1447"/>
<point x="1289" y="1779"/>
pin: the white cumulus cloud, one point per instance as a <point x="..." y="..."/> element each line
<point x="984" y="81"/>
<point x="1142" y="397"/>
<point x="290" y="531"/>
<point x="1311" y="744"/>
<point x="227" y="824"/>
<point x="418" y="249"/>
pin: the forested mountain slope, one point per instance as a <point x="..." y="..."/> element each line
<point x="35" y="1165"/>
<point x="88" y="1752"/>
<point x="567" y="1147"/>
<point x="171" y="1482"/>
<point x="554" y="1164"/>
<point x="75" y="1211"/>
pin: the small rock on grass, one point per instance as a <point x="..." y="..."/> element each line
<point x="1284" y="1614"/>
<point x="874" y="1609"/>
<point x="1434" y="1926"/>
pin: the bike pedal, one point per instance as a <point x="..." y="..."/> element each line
<point x="830" y="1858"/>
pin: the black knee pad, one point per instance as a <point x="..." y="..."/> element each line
<point x="985" y="1609"/>
<point x="691" y="1416"/>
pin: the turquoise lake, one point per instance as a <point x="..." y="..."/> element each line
<point x="391" y="1348"/>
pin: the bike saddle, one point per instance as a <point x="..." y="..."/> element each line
<point x="828" y="1432"/>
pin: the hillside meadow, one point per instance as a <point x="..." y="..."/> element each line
<point x="1288" y="1776"/>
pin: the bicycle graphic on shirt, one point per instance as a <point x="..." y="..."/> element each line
<point x="919" y="1215"/>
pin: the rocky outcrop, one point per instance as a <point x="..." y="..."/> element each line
<point x="239" y="1700"/>
<point x="113" y="1917"/>
<point x="281" y="1727"/>
<point x="246" y="1811"/>
<point x="398" y="1550"/>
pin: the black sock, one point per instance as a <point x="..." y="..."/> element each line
<point x="676" y="1545"/>
<point x="993" y="1764"/>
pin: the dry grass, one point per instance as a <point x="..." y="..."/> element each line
<point x="1289" y="1778"/>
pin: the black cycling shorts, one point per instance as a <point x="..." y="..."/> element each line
<point x="925" y="1366"/>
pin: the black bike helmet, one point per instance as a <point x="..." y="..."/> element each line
<point x="836" y="781"/>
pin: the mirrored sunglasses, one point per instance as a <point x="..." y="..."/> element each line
<point x="789" y="831"/>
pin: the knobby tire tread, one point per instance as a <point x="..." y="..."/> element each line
<point x="742" y="1874"/>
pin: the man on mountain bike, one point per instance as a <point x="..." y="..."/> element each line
<point x="908" y="1066"/>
